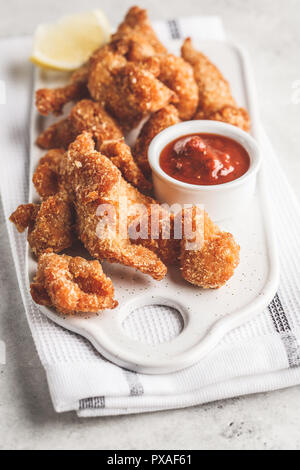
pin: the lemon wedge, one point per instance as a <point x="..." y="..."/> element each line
<point x="67" y="44"/>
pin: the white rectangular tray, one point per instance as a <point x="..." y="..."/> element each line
<point x="207" y="314"/>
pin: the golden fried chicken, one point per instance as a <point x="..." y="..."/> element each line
<point x="177" y="74"/>
<point x="90" y="116"/>
<point x="85" y="115"/>
<point x="136" y="22"/>
<point x="215" y="256"/>
<point x="156" y="230"/>
<point x="132" y="45"/>
<point x="58" y="135"/>
<point x="230" y="114"/>
<point x="159" y="121"/>
<point x="120" y="154"/>
<point x="128" y="90"/>
<point x="53" y="100"/>
<point x="46" y="178"/>
<point x="207" y="256"/>
<point x="72" y="285"/>
<point x="49" y="224"/>
<point x="104" y="204"/>
<point x="24" y="216"/>
<point x="215" y="98"/>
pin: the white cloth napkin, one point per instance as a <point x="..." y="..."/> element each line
<point x="261" y="355"/>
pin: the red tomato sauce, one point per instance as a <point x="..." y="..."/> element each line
<point x="204" y="159"/>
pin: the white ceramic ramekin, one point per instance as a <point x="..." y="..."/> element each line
<point x="220" y="201"/>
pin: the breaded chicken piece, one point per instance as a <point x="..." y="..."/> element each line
<point x="207" y="256"/>
<point x="230" y="114"/>
<point x="24" y="216"/>
<point x="157" y="227"/>
<point x="49" y="224"/>
<point x="104" y="64"/>
<point x="128" y="90"/>
<point x="159" y="121"/>
<point x="215" y="98"/>
<point x="90" y="116"/>
<point x="85" y="115"/>
<point x="58" y="135"/>
<point x="216" y="254"/>
<point x="46" y="178"/>
<point x="72" y="285"/>
<point x="133" y="45"/>
<point x="214" y="89"/>
<point x="53" y="100"/>
<point x="120" y="154"/>
<point x="177" y="74"/>
<point x="96" y="184"/>
<point x="136" y="22"/>
<point x="134" y="37"/>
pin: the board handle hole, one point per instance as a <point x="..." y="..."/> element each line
<point x="153" y="324"/>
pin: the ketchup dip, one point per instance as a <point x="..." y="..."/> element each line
<point x="204" y="159"/>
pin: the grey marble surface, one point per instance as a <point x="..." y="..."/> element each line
<point x="269" y="29"/>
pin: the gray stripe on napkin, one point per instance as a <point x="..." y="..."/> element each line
<point x="135" y="386"/>
<point x="174" y="29"/>
<point x="283" y="328"/>
<point x="92" y="402"/>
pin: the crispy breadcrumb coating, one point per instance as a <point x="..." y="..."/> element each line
<point x="24" y="216"/>
<point x="128" y="90"/>
<point x="215" y="99"/>
<point x="120" y="154"/>
<point x="95" y="182"/>
<point x="72" y="285"/>
<point x="159" y="121"/>
<point x="207" y="256"/>
<point x="58" y="135"/>
<point x="53" y="100"/>
<point x="49" y="224"/>
<point x="177" y="74"/>
<point x="215" y="257"/>
<point x="46" y="178"/>
<point x="90" y="116"/>
<point x="230" y="114"/>
<point x="85" y="115"/>
<point x="159" y="234"/>
<point x="214" y="89"/>
<point x="136" y="22"/>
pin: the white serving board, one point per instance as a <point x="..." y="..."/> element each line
<point x="207" y="314"/>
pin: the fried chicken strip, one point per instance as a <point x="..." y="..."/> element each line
<point x="136" y="22"/>
<point x="157" y="226"/>
<point x="72" y="285"/>
<point x="58" y="135"/>
<point x="96" y="184"/>
<point x="159" y="121"/>
<point x="177" y="74"/>
<point x="53" y="100"/>
<point x="49" y="224"/>
<point x="85" y="115"/>
<point x="90" y="116"/>
<point x="120" y="154"/>
<point x="128" y="90"/>
<point x="46" y="178"/>
<point x="214" y="260"/>
<point x="215" y="98"/>
<point x="230" y="114"/>
<point x="207" y="256"/>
